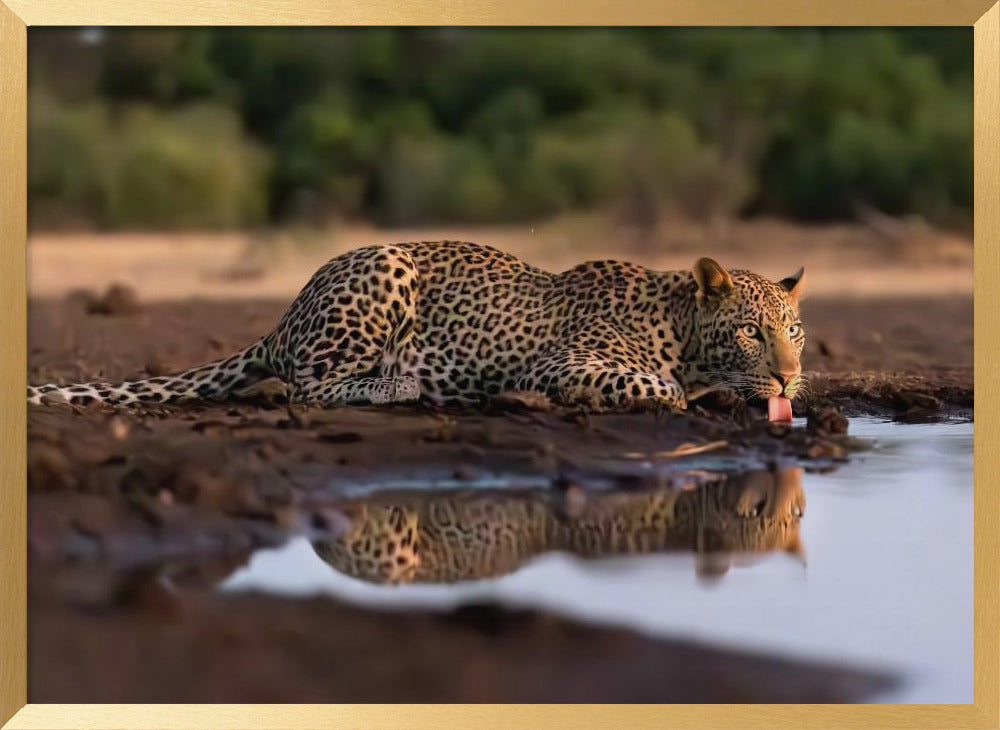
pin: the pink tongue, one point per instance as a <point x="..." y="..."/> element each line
<point x="779" y="409"/>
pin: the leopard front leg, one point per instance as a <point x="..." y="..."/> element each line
<point x="616" y="389"/>
<point x="575" y="376"/>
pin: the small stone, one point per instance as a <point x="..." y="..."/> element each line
<point x="518" y="400"/>
<point x="118" y="299"/>
<point x="119" y="429"/>
<point x="156" y="368"/>
<point x="826" y="419"/>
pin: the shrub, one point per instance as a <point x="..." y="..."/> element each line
<point x="68" y="162"/>
<point x="189" y="169"/>
<point x="422" y="179"/>
<point x="192" y="168"/>
<point x="169" y="127"/>
<point x="326" y="153"/>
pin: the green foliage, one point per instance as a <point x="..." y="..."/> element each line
<point x="188" y="169"/>
<point x="67" y="161"/>
<point x="325" y="148"/>
<point x="870" y="128"/>
<point x="435" y="178"/>
<point x="143" y="168"/>
<point x="177" y="127"/>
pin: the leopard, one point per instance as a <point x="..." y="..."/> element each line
<point x="472" y="534"/>
<point x="457" y="323"/>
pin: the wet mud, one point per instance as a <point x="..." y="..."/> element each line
<point x="117" y="496"/>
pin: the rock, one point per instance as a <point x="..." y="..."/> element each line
<point x="826" y="419"/>
<point x="118" y="427"/>
<point x="922" y="400"/>
<point x="517" y="401"/>
<point x="117" y="300"/>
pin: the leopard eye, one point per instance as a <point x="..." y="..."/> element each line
<point x="795" y="330"/>
<point x="749" y="330"/>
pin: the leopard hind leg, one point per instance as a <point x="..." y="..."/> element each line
<point x="358" y="323"/>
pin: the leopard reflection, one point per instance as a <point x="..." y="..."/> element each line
<point x="446" y="537"/>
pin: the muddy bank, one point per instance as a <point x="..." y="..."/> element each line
<point x="229" y="478"/>
<point x="115" y="497"/>
<point x="134" y="519"/>
<point x="263" y="649"/>
<point x="251" y="465"/>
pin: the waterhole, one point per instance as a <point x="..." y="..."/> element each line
<point x="869" y="565"/>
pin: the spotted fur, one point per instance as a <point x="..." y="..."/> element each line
<point x="455" y="322"/>
<point x="465" y="535"/>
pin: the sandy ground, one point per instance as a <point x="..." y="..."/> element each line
<point x="210" y="483"/>
<point x="844" y="260"/>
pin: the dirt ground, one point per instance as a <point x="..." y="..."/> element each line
<point x="112" y="495"/>
<point x="211" y="650"/>
<point x="866" y="355"/>
<point x="903" y="258"/>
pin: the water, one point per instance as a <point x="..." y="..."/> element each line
<point x="886" y="582"/>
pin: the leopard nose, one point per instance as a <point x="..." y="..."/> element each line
<point x="783" y="378"/>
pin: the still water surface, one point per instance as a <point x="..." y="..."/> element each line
<point x="886" y="581"/>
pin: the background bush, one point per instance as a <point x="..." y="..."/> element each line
<point x="143" y="168"/>
<point x="194" y="128"/>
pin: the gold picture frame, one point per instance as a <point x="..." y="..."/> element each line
<point x="17" y="15"/>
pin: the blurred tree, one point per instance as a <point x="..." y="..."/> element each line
<point x="189" y="169"/>
<point x="413" y="125"/>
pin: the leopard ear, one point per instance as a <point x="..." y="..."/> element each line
<point x="794" y="285"/>
<point x="712" y="279"/>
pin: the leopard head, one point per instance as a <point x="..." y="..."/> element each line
<point x="743" y="518"/>
<point x="749" y="333"/>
